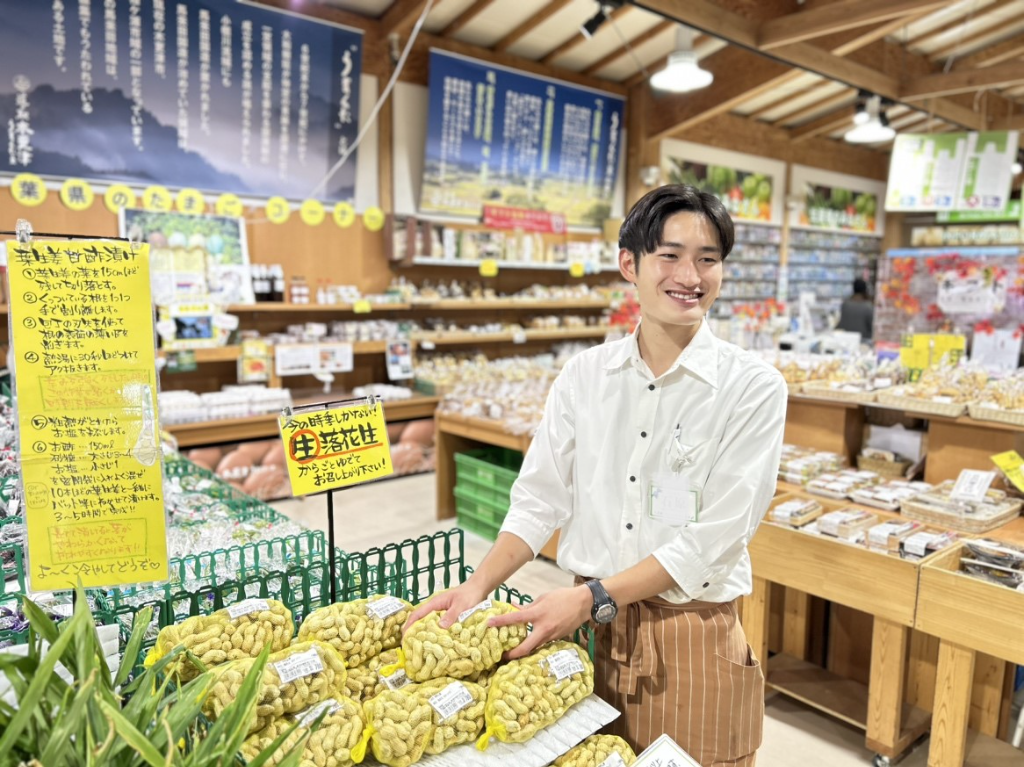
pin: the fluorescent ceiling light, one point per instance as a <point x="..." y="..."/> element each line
<point x="682" y="73"/>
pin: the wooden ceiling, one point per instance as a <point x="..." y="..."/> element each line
<point x="794" y="65"/>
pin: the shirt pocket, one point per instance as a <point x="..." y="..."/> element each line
<point x="691" y="460"/>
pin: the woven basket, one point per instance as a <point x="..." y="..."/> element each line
<point x="922" y="513"/>
<point x="1012" y="417"/>
<point x="914" y="405"/>
<point x="896" y="469"/>
<point x="795" y="388"/>
<point x="820" y="390"/>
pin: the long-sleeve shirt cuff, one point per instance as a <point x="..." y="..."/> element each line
<point x="682" y="561"/>
<point x="531" y="530"/>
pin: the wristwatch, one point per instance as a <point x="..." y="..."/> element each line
<point x="605" y="609"/>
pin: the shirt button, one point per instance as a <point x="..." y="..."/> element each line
<point x="629" y="525"/>
<point x="706" y="585"/>
<point x="643" y="434"/>
<point x="651" y="387"/>
<point x="632" y="479"/>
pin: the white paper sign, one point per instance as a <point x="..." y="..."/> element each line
<point x="970" y="295"/>
<point x="299" y="665"/>
<point x="972" y="485"/>
<point x="384" y="608"/>
<point x="613" y="761"/>
<point x="665" y="752"/>
<point x="451" y="700"/>
<point x="485" y="605"/>
<point x="998" y="351"/>
<point x="307" y="717"/>
<point x="247" y="607"/>
<point x="295" y="359"/>
<point x="564" y="663"/>
<point x="399" y="360"/>
<point x="395" y="681"/>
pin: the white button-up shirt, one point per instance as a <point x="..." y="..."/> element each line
<point x="610" y="428"/>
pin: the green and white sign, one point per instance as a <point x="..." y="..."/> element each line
<point x="1012" y="212"/>
<point x="987" y="175"/>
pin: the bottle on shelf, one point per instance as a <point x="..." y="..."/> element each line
<point x="321" y="292"/>
<point x="277" y="287"/>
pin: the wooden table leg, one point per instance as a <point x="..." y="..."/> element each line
<point x="447" y="445"/>
<point x="756" y="610"/>
<point x="796" y="624"/>
<point x="889" y="643"/>
<point x="952" y="706"/>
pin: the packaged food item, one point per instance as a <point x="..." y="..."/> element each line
<point x="796" y="512"/>
<point x="889" y="535"/>
<point x="926" y="541"/>
<point x="239" y="631"/>
<point x="329" y="745"/>
<point x="843" y="484"/>
<point x="358" y="630"/>
<point x="598" y="751"/>
<point x="890" y="495"/>
<point x="938" y="507"/>
<point x="848" y="524"/>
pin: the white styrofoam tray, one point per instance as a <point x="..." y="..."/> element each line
<point x="579" y="722"/>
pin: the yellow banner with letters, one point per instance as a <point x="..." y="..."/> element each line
<point x="333" y="448"/>
<point x="85" y="372"/>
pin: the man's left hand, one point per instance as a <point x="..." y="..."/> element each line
<point x="554" y="616"/>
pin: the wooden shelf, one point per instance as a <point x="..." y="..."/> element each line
<point x="265" y="426"/>
<point x="500" y="304"/>
<point x="274" y="306"/>
<point x="985" y="751"/>
<point x="482" y="430"/>
<point x="820" y="689"/>
<point x="425" y="261"/>
<point x="559" y="334"/>
<point x="217" y="354"/>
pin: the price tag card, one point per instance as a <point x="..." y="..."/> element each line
<point x="665" y="752"/>
<point x="972" y="485"/>
<point x="327" y="707"/>
<point x="299" y="665"/>
<point x="485" y="605"/>
<point x="615" y="760"/>
<point x="918" y="543"/>
<point x="247" y="607"/>
<point x="1012" y="465"/>
<point x="451" y="700"/>
<point x="564" y="663"/>
<point x="385" y="607"/>
<point x="396" y="681"/>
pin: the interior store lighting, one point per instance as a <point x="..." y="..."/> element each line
<point x="873" y="130"/>
<point x="682" y="73"/>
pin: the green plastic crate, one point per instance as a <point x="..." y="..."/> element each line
<point x="490" y="472"/>
<point x="12" y="562"/>
<point x="469" y="500"/>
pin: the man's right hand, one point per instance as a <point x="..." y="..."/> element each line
<point x="453" y="603"/>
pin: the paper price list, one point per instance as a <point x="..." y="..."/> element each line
<point x="86" y="378"/>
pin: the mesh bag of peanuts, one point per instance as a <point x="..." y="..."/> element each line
<point x="466" y="648"/>
<point x="429" y="718"/>
<point x="234" y="633"/>
<point x="528" y="694"/>
<point x="358" y="630"/>
<point x="598" y="751"/>
<point x="328" y="745"/>
<point x="293" y="680"/>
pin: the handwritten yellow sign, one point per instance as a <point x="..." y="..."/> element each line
<point x="77" y="194"/>
<point x="191" y="201"/>
<point x="82" y="326"/>
<point x="118" y="196"/>
<point x="28" y="189"/>
<point x="922" y="351"/>
<point x="278" y="210"/>
<point x="328" y="449"/>
<point x="229" y="205"/>
<point x="312" y="213"/>
<point x="344" y="215"/>
<point x="1012" y="465"/>
<point x="373" y="219"/>
<point x="157" y="198"/>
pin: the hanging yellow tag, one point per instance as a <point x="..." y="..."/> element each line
<point x="157" y="198"/>
<point x="191" y="201"/>
<point x="312" y="213"/>
<point x="362" y="306"/>
<point x="344" y="215"/>
<point x="577" y="269"/>
<point x="1011" y="464"/>
<point x="373" y="219"/>
<point x="28" y="189"/>
<point x="278" y="210"/>
<point x="118" y="196"/>
<point x="77" y="194"/>
<point x="489" y="268"/>
<point x="229" y="205"/>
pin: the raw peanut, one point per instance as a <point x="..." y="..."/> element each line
<point x="594" y="751"/>
<point x="330" y="745"/>
<point x="355" y="633"/>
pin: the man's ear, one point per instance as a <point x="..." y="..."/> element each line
<point x="628" y="265"/>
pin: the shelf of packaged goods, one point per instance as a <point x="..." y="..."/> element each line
<point x="423" y="261"/>
<point x="265" y="426"/>
<point x="217" y="354"/>
<point x="757" y="243"/>
<point x="458" y="339"/>
<point x="511" y="303"/>
<point x="284" y="308"/>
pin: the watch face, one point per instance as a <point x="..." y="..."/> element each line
<point x="605" y="614"/>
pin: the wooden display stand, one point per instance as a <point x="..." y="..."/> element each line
<point x="837" y="427"/>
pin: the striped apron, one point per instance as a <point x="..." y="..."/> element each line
<point x="686" y="671"/>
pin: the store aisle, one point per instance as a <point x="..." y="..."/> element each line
<point x="397" y="509"/>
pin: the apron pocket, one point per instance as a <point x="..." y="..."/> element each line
<point x="738" y="707"/>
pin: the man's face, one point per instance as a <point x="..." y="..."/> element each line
<point x="680" y="280"/>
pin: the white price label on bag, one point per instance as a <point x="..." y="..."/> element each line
<point x="451" y="700"/>
<point x="918" y="543"/>
<point x="307" y="717"/>
<point x="564" y="663"/>
<point x="384" y="608"/>
<point x="879" y="534"/>
<point x="485" y="605"/>
<point x="247" y="607"/>
<point x="299" y="665"/>
<point x="613" y="761"/>
<point x="396" y="681"/>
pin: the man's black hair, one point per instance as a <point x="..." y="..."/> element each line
<point x="860" y="287"/>
<point x="644" y="227"/>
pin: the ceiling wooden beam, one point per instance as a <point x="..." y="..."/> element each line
<point x="838" y="99"/>
<point x="836" y="17"/>
<point x="579" y="38"/>
<point x="636" y="42"/>
<point x="996" y="54"/>
<point x="778" y="103"/>
<point x="864" y="39"/>
<point x="465" y="17"/>
<point x="1016" y="122"/>
<point x="712" y="19"/>
<point x="965" y="43"/>
<point x="824" y="125"/>
<point x="964" y="81"/>
<point x="548" y="10"/>
<point x="942" y="29"/>
<point x="402" y="15"/>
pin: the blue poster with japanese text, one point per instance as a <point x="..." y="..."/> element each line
<point x="497" y="136"/>
<point x="219" y="95"/>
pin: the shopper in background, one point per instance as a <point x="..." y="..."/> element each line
<point x="858" y="312"/>
<point x="657" y="457"/>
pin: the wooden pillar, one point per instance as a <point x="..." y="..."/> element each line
<point x="952" y="705"/>
<point x="756" y="609"/>
<point x="889" y="643"/>
<point x="640" y="151"/>
<point x="796" y="624"/>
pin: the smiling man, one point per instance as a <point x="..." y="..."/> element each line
<point x="657" y="457"/>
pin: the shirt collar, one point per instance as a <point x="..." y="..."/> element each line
<point x="699" y="358"/>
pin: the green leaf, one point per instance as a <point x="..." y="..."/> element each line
<point x="134" y="645"/>
<point x="132" y="736"/>
<point x="40" y="621"/>
<point x="269" y="752"/>
<point x="30" y="700"/>
<point x="68" y="720"/>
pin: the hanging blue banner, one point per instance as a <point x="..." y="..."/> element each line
<point x="498" y="136"/>
<point x="214" y="94"/>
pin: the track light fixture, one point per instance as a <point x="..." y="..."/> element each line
<point x="591" y="25"/>
<point x="873" y="127"/>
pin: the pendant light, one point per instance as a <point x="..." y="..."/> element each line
<point x="682" y="73"/>
<point x="873" y="128"/>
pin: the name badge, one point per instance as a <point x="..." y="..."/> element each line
<point x="672" y="500"/>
